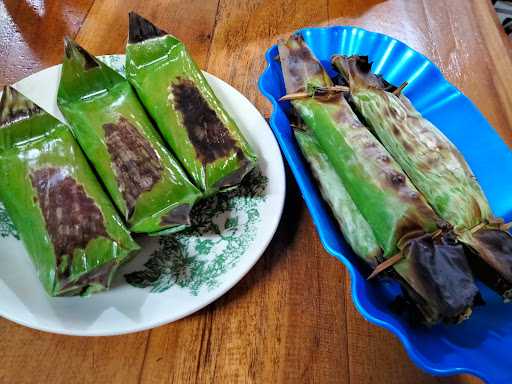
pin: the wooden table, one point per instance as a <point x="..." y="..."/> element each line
<point x="291" y="319"/>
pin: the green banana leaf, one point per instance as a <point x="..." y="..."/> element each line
<point x="68" y="225"/>
<point x="188" y="114"/>
<point x="436" y="168"/>
<point x="432" y="270"/>
<point x="354" y="227"/>
<point x="145" y="181"/>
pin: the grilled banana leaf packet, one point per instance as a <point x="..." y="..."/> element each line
<point x="436" y="168"/>
<point x="354" y="227"/>
<point x="432" y="271"/>
<point x="69" y="227"/>
<point x="191" y="119"/>
<point x="145" y="181"/>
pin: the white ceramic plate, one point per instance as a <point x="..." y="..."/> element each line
<point x="173" y="276"/>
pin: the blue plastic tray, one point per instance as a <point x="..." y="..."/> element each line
<point x="483" y="345"/>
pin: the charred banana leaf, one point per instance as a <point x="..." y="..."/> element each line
<point x="436" y="168"/>
<point x="188" y="114"/>
<point x="145" y="181"/>
<point x="68" y="225"/>
<point x="354" y="227"/>
<point x="432" y="270"/>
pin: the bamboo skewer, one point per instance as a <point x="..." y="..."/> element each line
<point x="399" y="90"/>
<point x="317" y="92"/>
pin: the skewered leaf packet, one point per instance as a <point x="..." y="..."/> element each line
<point x="71" y="230"/>
<point x="431" y="269"/>
<point x="190" y="117"/>
<point x="353" y="225"/>
<point x="436" y="168"/>
<point x="144" y="180"/>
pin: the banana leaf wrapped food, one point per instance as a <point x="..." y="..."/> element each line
<point x="145" y="181"/>
<point x="191" y="119"/>
<point x="353" y="225"/>
<point x="432" y="270"/>
<point x="436" y="168"/>
<point x="72" y="232"/>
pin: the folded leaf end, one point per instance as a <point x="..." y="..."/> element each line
<point x="141" y="29"/>
<point x="14" y="106"/>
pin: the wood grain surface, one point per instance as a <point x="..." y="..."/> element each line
<point x="291" y="319"/>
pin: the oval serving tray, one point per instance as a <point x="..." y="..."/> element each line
<point x="479" y="346"/>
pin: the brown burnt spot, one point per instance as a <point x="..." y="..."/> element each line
<point x="440" y="147"/>
<point x="397" y="179"/>
<point x="135" y="162"/>
<point x="384" y="159"/>
<point x="71" y="216"/>
<point x="178" y="216"/>
<point x="407" y="146"/>
<point x="210" y="138"/>
<point x="423" y="212"/>
<point x="475" y="208"/>
<point x="395" y="130"/>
